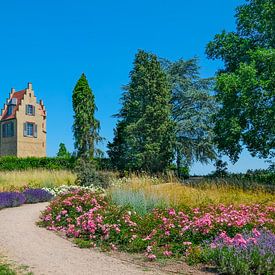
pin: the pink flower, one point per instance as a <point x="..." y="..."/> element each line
<point x="213" y="245"/>
<point x="172" y="212"/>
<point x="151" y="257"/>
<point x="64" y="212"/>
<point x="113" y="247"/>
<point x="187" y="243"/>
<point x="167" y="253"/>
<point x="256" y="232"/>
<point x="79" y="209"/>
<point x="239" y="240"/>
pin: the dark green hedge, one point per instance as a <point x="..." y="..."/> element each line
<point x="14" y="163"/>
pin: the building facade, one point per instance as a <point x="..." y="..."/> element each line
<point x="23" y="125"/>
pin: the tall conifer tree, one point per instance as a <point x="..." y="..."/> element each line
<point x="86" y="126"/>
<point x="144" y="137"/>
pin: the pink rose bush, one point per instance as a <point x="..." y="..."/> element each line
<point x="94" y="221"/>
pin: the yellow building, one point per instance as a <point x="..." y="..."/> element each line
<point x="23" y="125"/>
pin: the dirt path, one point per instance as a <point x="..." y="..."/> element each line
<point x="46" y="253"/>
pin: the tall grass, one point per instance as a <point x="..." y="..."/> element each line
<point x="12" y="180"/>
<point x="176" y="194"/>
<point x="138" y="200"/>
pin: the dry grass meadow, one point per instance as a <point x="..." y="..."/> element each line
<point x="13" y="180"/>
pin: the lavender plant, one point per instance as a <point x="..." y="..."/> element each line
<point x="249" y="253"/>
<point x="11" y="199"/>
<point x="37" y="195"/>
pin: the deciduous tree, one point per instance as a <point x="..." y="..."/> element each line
<point x="246" y="87"/>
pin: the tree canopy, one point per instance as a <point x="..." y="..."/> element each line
<point x="144" y="136"/>
<point x="192" y="110"/>
<point x="63" y="152"/>
<point x="86" y="126"/>
<point x="245" y="87"/>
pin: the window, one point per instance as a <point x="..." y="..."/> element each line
<point x="30" y="110"/>
<point x="30" y="129"/>
<point x="8" y="130"/>
<point x="10" y="110"/>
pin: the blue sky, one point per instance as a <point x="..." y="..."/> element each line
<point x="50" y="43"/>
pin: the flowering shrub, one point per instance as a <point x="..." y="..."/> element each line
<point x="37" y="195"/>
<point x="248" y="253"/>
<point x="93" y="220"/>
<point x="11" y="199"/>
<point x="55" y="191"/>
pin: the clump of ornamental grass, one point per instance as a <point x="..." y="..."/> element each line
<point x="180" y="195"/>
<point x="137" y="200"/>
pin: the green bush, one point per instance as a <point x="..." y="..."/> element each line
<point x="87" y="175"/>
<point x="10" y="163"/>
<point x="14" y="163"/>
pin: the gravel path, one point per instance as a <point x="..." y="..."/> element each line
<point x="46" y="253"/>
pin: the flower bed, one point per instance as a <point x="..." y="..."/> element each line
<point x="11" y="199"/>
<point x="14" y="199"/>
<point x="93" y="220"/>
<point x="248" y="253"/>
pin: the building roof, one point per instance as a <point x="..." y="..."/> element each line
<point x="19" y="96"/>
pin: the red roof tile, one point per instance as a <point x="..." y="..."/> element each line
<point x="19" y="96"/>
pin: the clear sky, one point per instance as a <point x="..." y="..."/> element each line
<point x="50" y="43"/>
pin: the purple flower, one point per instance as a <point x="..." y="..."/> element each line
<point x="11" y="199"/>
<point x="37" y="195"/>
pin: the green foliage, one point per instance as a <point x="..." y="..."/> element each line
<point x="86" y="127"/>
<point x="182" y="172"/>
<point x="5" y="269"/>
<point x="87" y="175"/>
<point x="192" y="111"/>
<point x="245" y="88"/>
<point x="14" y="163"/>
<point x="221" y="168"/>
<point x="144" y="137"/>
<point x="230" y="262"/>
<point x="62" y="152"/>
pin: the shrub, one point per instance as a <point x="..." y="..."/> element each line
<point x="37" y="195"/>
<point x="10" y="163"/>
<point x="87" y="175"/>
<point x="11" y="199"/>
<point x="13" y="163"/>
<point x="58" y="190"/>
